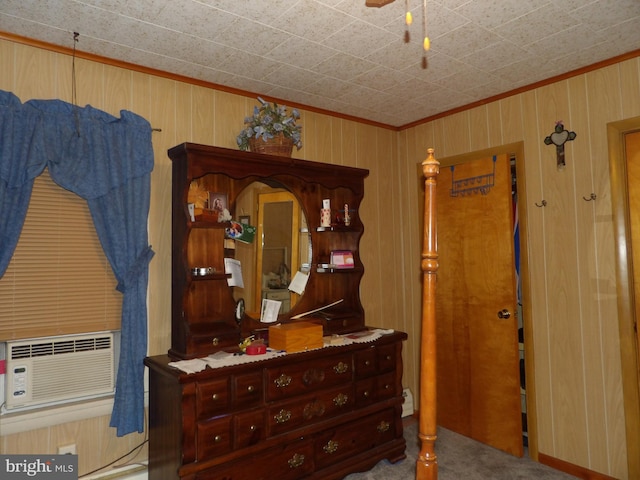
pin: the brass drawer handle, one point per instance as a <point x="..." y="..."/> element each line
<point x="251" y="389"/>
<point x="215" y="396"/>
<point x="367" y="363"/>
<point x="383" y="426"/>
<point x="388" y="357"/>
<point x="253" y="428"/>
<point x="217" y="438"/>
<point x="283" y="380"/>
<point x="331" y="447"/>
<point x="341" y="367"/>
<point x="366" y="394"/>
<point x="215" y="341"/>
<point x="296" y="461"/>
<point x="387" y="387"/>
<point x="341" y="400"/>
<point x="282" y="416"/>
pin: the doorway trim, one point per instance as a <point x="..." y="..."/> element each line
<point x="624" y="280"/>
<point x="517" y="149"/>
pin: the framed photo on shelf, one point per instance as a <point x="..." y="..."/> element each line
<point x="245" y="219"/>
<point x="218" y="202"/>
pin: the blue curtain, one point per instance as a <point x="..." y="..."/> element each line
<point x="108" y="162"/>
<point x="18" y="169"/>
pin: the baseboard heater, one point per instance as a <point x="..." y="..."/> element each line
<point x="58" y="369"/>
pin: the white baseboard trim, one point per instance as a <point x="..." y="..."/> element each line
<point x="130" y="472"/>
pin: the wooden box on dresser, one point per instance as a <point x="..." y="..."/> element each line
<point x="320" y="414"/>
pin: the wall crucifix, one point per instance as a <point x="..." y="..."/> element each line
<point x="559" y="137"/>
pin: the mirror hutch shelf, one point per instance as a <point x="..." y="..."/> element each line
<point x="321" y="413"/>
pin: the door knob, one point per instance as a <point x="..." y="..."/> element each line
<point x="504" y="313"/>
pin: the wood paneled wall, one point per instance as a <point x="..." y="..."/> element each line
<point x="571" y="301"/>
<point x="190" y="113"/>
<point x="572" y="297"/>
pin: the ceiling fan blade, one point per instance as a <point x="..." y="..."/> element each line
<point x="378" y="3"/>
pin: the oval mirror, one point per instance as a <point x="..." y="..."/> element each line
<point x="281" y="246"/>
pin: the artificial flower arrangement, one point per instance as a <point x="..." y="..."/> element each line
<point x="269" y="120"/>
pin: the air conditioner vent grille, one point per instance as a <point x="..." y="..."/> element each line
<point x="41" y="349"/>
<point x="20" y="351"/>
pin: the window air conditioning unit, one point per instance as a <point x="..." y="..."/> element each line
<point x="58" y="369"/>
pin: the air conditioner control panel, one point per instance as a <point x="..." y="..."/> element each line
<point x="18" y="388"/>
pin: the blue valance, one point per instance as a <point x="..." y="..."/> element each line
<point x="108" y="162"/>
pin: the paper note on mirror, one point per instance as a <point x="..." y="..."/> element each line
<point x="269" y="311"/>
<point x="233" y="267"/>
<point x="299" y="282"/>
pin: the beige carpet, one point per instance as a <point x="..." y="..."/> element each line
<point x="460" y="458"/>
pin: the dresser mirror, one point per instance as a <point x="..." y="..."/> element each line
<point x="281" y="246"/>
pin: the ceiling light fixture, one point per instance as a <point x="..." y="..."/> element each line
<point x="426" y="43"/>
<point x="408" y="20"/>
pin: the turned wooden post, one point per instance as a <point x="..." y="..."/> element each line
<point x="427" y="463"/>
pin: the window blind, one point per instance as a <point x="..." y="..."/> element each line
<point x="58" y="281"/>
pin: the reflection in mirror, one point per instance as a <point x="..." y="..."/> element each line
<point x="278" y="217"/>
<point x="282" y="246"/>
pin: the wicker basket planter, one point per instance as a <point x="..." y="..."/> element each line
<point x="278" y="145"/>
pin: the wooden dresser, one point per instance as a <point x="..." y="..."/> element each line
<point x="319" y="414"/>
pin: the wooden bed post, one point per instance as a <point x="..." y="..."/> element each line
<point x="427" y="463"/>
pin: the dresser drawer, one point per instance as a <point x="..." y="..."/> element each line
<point x="375" y="360"/>
<point x="204" y="344"/>
<point x="285" y="416"/>
<point x="352" y="438"/>
<point x="297" y="379"/>
<point x="342" y="325"/>
<point x="288" y="462"/>
<point x="214" y="437"/>
<point x="386" y="386"/>
<point x="249" y="428"/>
<point x="248" y="390"/>
<point x="365" y="392"/>
<point x="365" y="363"/>
<point x="386" y="355"/>
<point x="212" y="397"/>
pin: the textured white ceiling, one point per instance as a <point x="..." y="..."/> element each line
<point x="340" y="55"/>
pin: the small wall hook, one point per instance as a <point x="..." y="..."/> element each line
<point x="542" y="204"/>
<point x="593" y="196"/>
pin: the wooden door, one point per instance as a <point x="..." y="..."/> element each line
<point x="478" y="372"/>
<point x="632" y="153"/>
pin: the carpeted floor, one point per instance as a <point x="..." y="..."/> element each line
<point x="459" y="458"/>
